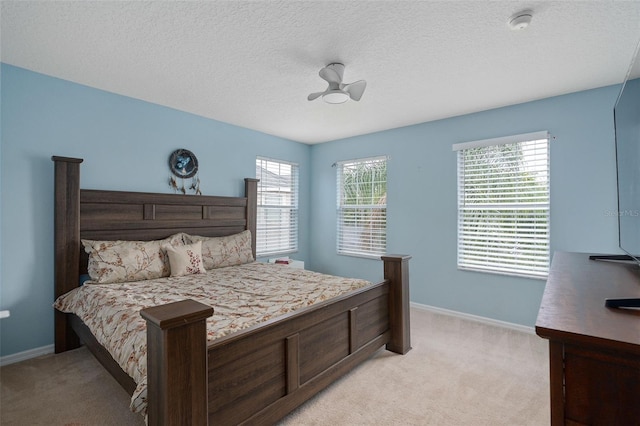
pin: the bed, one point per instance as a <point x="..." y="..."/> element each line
<point x="253" y="376"/>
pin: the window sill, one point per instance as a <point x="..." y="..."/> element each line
<point x="363" y="256"/>
<point x="511" y="274"/>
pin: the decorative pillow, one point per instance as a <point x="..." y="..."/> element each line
<point x="218" y="252"/>
<point x="185" y="260"/>
<point x="122" y="261"/>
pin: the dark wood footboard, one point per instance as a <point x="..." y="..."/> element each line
<point x="263" y="373"/>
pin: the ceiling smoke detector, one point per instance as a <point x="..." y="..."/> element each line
<point x="520" y="20"/>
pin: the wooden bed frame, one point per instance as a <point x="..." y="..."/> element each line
<point x="255" y="376"/>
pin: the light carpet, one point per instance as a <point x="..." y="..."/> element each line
<point x="459" y="372"/>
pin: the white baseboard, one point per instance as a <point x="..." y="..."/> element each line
<point x="477" y="318"/>
<point x="25" y="355"/>
<point x="49" y="349"/>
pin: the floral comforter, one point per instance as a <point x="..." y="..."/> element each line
<point x="241" y="296"/>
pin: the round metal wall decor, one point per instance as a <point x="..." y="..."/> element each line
<point x="183" y="163"/>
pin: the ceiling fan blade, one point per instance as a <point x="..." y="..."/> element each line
<point x="355" y="89"/>
<point x="314" y="96"/>
<point x="330" y="75"/>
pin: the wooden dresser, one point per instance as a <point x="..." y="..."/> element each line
<point x="594" y="351"/>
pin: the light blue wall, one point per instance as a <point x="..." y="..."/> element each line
<point x="125" y="144"/>
<point x="421" y="199"/>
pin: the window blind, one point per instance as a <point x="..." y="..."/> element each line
<point x="503" y="205"/>
<point x="362" y="207"/>
<point x="277" y="215"/>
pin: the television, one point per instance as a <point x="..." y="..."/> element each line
<point x="626" y="113"/>
<point x="626" y="117"/>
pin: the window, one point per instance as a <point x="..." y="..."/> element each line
<point x="362" y="207"/>
<point x="503" y="205"/>
<point x="277" y="227"/>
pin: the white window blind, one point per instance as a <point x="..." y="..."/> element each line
<point x="503" y="205"/>
<point x="277" y="221"/>
<point x="362" y="207"/>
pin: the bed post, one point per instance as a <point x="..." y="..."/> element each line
<point x="251" y="192"/>
<point x="177" y="363"/>
<point x="396" y="270"/>
<point x="66" y="243"/>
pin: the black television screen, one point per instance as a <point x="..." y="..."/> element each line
<point x="627" y="128"/>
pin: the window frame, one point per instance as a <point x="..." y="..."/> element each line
<point x="262" y="165"/>
<point x="377" y="214"/>
<point x="526" y="250"/>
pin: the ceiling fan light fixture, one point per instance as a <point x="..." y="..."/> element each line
<point x="335" y="97"/>
<point x="338" y="92"/>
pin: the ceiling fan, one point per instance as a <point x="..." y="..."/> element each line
<point x="338" y="92"/>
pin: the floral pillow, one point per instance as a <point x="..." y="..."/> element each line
<point x="122" y="261"/>
<point x="218" y="252"/>
<point x="185" y="260"/>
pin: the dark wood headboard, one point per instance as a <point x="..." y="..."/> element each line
<point x="119" y="215"/>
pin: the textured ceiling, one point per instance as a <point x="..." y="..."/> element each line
<point x="253" y="64"/>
